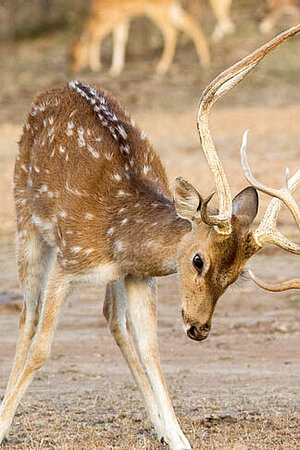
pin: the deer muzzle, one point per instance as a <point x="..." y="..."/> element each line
<point x="198" y="332"/>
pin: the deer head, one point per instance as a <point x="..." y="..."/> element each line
<point x="213" y="254"/>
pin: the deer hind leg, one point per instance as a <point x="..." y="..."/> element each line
<point x="169" y="33"/>
<point x="142" y="305"/>
<point x="33" y="256"/>
<point x="115" y="310"/>
<point x="184" y="22"/>
<point x="55" y="291"/>
<point x="98" y="31"/>
<point x="120" y="37"/>
<point x="221" y="9"/>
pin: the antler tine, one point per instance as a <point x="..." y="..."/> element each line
<point x="218" y="87"/>
<point x="266" y="233"/>
<point x="278" y="287"/>
<point x="284" y="194"/>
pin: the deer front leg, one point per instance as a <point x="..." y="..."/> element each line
<point x="115" y="310"/>
<point x="142" y="306"/>
<point x="55" y="292"/>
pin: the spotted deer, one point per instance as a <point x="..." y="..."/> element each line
<point x="276" y="9"/>
<point x="93" y="205"/>
<point x="113" y="16"/>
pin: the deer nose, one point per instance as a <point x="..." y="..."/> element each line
<point x="199" y="332"/>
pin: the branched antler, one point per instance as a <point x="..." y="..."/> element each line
<point x="267" y="233"/>
<point x="284" y="194"/>
<point x="218" y="87"/>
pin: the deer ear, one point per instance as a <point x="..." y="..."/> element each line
<point x="245" y="204"/>
<point x="187" y="199"/>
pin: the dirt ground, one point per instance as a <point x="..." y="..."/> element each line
<point x="239" y="389"/>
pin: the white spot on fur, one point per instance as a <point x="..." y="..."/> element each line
<point x="89" y="216"/>
<point x="75" y="191"/>
<point x="143" y="135"/>
<point x="88" y="251"/>
<point x="125" y="148"/>
<point x="44" y="188"/>
<point x="70" y="128"/>
<point x="38" y="222"/>
<point x="81" y="141"/>
<point x="119" y="246"/>
<point x="61" y="149"/>
<point x="23" y="167"/>
<point x="36" y="169"/>
<point x="110" y="231"/>
<point x="122" y="193"/>
<point x="75" y="249"/>
<point x="93" y="151"/>
<point x="124" y="221"/>
<point x="63" y="214"/>
<point x="146" y="169"/>
<point x="117" y="177"/>
<point x="50" y="194"/>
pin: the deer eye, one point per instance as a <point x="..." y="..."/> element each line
<point x="198" y="263"/>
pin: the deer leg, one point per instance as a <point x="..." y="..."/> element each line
<point x="120" y="36"/>
<point x="32" y="258"/>
<point x="115" y="311"/>
<point x="97" y="31"/>
<point x="55" y="292"/>
<point x="224" y="25"/>
<point x="169" y="33"/>
<point x="142" y="306"/>
<point x="94" y="56"/>
<point x="183" y="21"/>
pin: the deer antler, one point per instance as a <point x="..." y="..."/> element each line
<point x="278" y="287"/>
<point x="267" y="233"/>
<point x="283" y="194"/>
<point x="218" y="87"/>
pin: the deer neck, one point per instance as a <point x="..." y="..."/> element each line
<point x="146" y="237"/>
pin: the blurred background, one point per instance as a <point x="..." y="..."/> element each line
<point x="254" y="341"/>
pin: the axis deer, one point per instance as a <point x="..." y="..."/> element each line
<point x="114" y="16"/>
<point x="93" y="205"/>
<point x="277" y="8"/>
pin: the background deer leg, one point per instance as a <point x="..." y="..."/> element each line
<point x="115" y="310"/>
<point x="221" y="9"/>
<point x="142" y="305"/>
<point x="120" y="37"/>
<point x="56" y="290"/>
<point x="170" y="37"/>
<point x="184" y="22"/>
<point x="97" y="31"/>
<point x="32" y="258"/>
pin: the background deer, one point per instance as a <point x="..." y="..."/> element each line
<point x="275" y="9"/>
<point x="114" y="16"/>
<point x="93" y="205"/>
